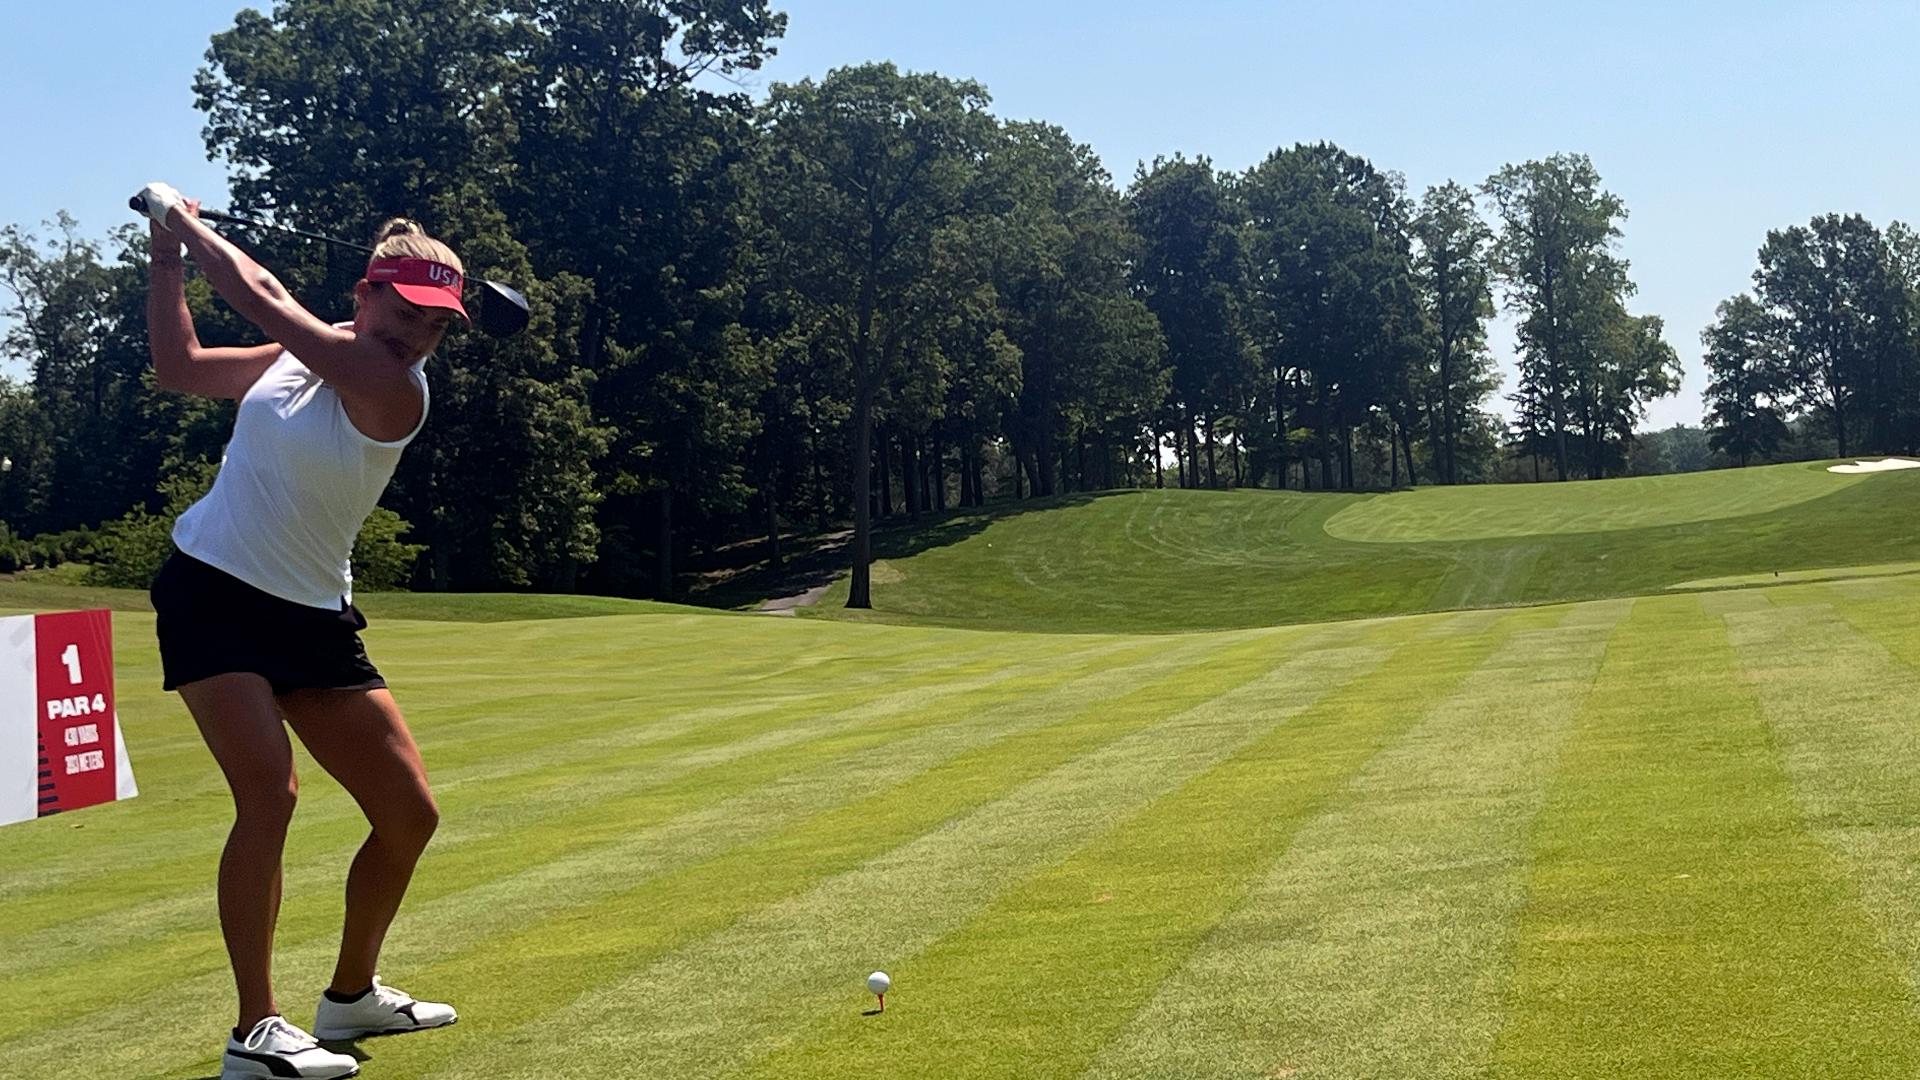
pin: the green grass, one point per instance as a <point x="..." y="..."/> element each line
<point x="1675" y="875"/>
<point x="58" y="590"/>
<point x="1666" y="836"/>
<point x="1166" y="561"/>
<point x="1482" y="512"/>
<point x="1663" y="835"/>
<point x="1788" y="577"/>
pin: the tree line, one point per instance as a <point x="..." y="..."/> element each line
<point x="860" y="297"/>
<point x="1830" y="331"/>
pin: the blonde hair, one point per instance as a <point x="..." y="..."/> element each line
<point x="403" y="238"/>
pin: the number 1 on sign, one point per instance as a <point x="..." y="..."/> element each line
<point x="71" y="658"/>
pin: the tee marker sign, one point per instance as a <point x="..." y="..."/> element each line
<point x="60" y="742"/>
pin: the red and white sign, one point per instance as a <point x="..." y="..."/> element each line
<point x="60" y="742"/>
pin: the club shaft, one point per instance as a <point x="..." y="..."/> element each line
<point x="235" y="219"/>
<point x="503" y="311"/>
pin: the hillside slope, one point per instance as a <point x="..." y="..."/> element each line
<point x="1162" y="561"/>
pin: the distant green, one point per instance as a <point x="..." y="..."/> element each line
<point x="1172" y="560"/>
<point x="1495" y="510"/>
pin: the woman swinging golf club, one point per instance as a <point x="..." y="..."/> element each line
<point x="254" y="610"/>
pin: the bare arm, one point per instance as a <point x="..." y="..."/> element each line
<point x="180" y="362"/>
<point x="370" y="382"/>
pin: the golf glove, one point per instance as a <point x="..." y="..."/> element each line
<point x="159" y="200"/>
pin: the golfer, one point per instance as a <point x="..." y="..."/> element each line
<point x="255" y="607"/>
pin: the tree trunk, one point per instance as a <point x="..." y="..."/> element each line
<point x="1213" y="476"/>
<point x="1393" y="455"/>
<point x="860" y="592"/>
<point x="1560" y="434"/>
<point x="1191" y="429"/>
<point x="909" y="474"/>
<point x="929" y="469"/>
<point x="663" y="547"/>
<point x="885" y="493"/>
<point x="1280" y="422"/>
<point x="939" y="473"/>
<point x="823" y="503"/>
<point x="773" y="519"/>
<point x="1326" y="440"/>
<point x="1593" y="438"/>
<point x="1043" y="474"/>
<point x="1446" y="405"/>
<point x="1406" y="444"/>
<point x="860" y="588"/>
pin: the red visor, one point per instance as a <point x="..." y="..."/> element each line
<point x="422" y="282"/>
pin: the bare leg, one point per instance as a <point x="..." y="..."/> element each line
<point x="359" y="737"/>
<point x="241" y="725"/>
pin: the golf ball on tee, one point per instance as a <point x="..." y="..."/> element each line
<point x="878" y="982"/>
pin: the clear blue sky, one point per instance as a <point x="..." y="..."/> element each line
<point x="1714" y="121"/>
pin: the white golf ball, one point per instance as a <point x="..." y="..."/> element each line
<point x="878" y="983"/>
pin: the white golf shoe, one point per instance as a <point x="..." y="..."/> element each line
<point x="382" y="1010"/>
<point x="275" y="1048"/>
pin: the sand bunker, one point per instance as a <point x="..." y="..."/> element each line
<point x="1883" y="465"/>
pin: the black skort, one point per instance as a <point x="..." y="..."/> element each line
<point x="212" y="623"/>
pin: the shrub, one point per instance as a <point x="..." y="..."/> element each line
<point x="130" y="550"/>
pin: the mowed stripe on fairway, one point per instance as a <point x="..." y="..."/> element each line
<point x="1039" y="982"/>
<point x="487" y="828"/>
<point x="1843" y="709"/>
<point x="612" y="799"/>
<point x="1680" y="920"/>
<point x="604" y="803"/>
<point x="596" y="914"/>
<point x="795" y="958"/>
<point x="1379" y="944"/>
<point x="593" y="701"/>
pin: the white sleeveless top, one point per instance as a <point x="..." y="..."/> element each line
<point x="297" y="482"/>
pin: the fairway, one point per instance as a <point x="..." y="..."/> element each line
<point x="1663" y="836"/>
<point x="1161" y="561"/>
<point x="1482" y="512"/>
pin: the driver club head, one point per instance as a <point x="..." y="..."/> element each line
<point x="503" y="310"/>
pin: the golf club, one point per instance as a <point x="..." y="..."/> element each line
<point x="503" y="308"/>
